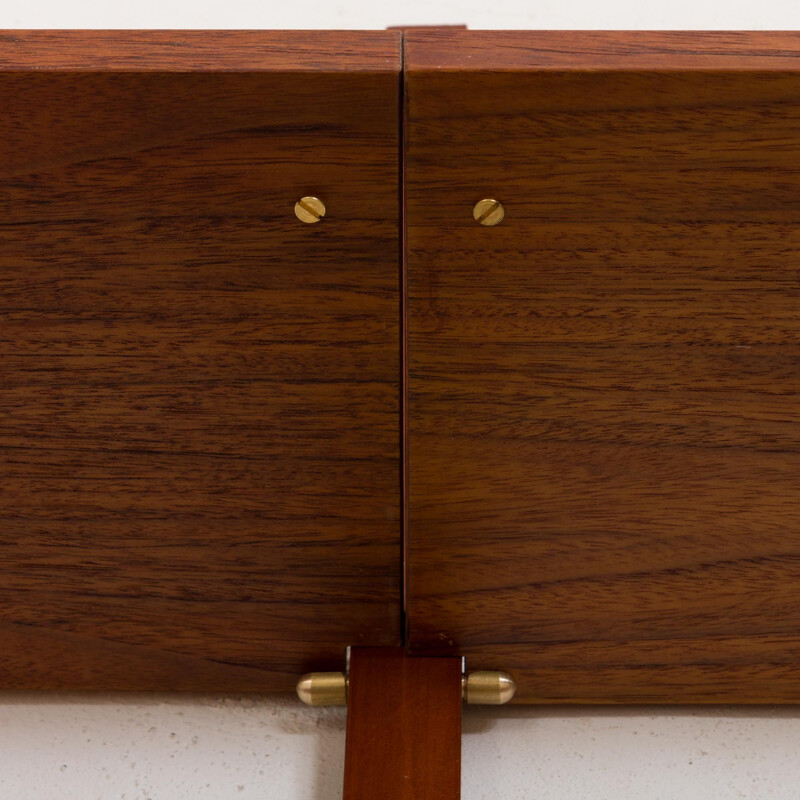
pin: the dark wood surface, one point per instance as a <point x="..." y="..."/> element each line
<point x="199" y="405"/>
<point x="604" y="390"/>
<point x="403" y="727"/>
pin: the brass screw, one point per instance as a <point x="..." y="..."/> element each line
<point x="488" y="211"/>
<point x="309" y="209"/>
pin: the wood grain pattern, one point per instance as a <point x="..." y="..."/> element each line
<point x="604" y="392"/>
<point x="200" y="51"/>
<point x="200" y="395"/>
<point x="454" y="50"/>
<point x="403" y="727"/>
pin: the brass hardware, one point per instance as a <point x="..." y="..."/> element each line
<point x="309" y="209"/>
<point x="484" y="688"/>
<point x="323" y="689"/>
<point x="488" y="212"/>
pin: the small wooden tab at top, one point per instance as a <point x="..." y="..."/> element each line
<point x="403" y="727"/>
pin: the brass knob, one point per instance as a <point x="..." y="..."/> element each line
<point x="323" y="689"/>
<point x="488" y="688"/>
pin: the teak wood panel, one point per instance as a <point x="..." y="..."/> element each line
<point x="604" y="389"/>
<point x="199" y="404"/>
<point x="286" y="52"/>
<point x="403" y="726"/>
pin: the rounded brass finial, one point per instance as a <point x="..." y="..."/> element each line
<point x="309" y="209"/>
<point x="488" y="212"/>
<point x="323" y="689"/>
<point x="489" y="688"/>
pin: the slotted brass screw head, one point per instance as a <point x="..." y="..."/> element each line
<point x="309" y="209"/>
<point x="488" y="211"/>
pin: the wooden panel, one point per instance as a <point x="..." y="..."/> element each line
<point x="403" y="727"/>
<point x="200" y="395"/>
<point x="450" y="49"/>
<point x="200" y="51"/>
<point x="604" y="393"/>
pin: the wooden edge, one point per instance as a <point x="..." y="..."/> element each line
<point x="200" y="51"/>
<point x="404" y="417"/>
<point x="449" y="49"/>
<point x="403" y="726"/>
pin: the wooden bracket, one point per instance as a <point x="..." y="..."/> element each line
<point x="403" y="726"/>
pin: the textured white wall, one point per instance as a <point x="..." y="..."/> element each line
<point x="138" y="747"/>
<point x="85" y="747"/>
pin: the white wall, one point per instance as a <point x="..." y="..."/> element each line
<point x="88" y="747"/>
<point x="85" y="747"/>
<point x="569" y="14"/>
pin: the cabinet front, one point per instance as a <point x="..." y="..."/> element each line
<point x="604" y="361"/>
<point x="199" y="343"/>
